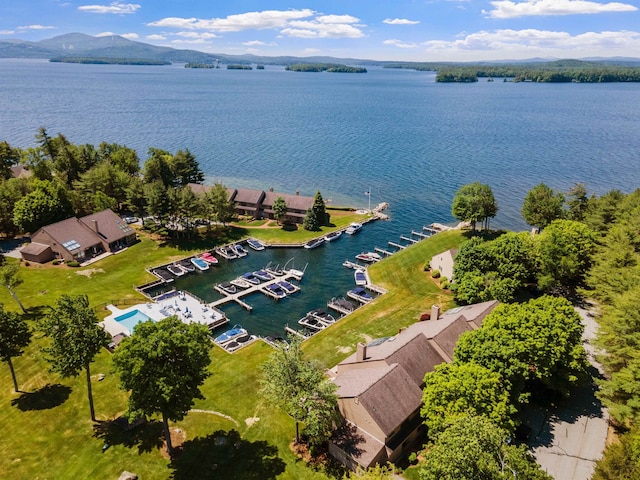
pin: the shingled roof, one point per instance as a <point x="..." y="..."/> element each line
<point x="109" y="226"/>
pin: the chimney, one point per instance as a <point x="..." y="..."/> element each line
<point x="94" y="224"/>
<point x="435" y="312"/>
<point x="271" y="189"/>
<point x="361" y="352"/>
<point x="297" y="192"/>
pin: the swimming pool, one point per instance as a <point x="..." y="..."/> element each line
<point x="130" y="319"/>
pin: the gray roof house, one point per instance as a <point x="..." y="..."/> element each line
<point x="380" y="385"/>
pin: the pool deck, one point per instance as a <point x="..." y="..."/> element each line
<point x="185" y="306"/>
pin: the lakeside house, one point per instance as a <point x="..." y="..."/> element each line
<point x="443" y="262"/>
<point x="79" y="239"/>
<point x="258" y="204"/>
<point x="380" y="386"/>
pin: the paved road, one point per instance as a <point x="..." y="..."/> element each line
<point x="569" y="439"/>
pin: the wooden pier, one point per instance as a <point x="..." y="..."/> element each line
<point x="418" y="234"/>
<point x="383" y="251"/>
<point x="407" y="239"/>
<point x="397" y="245"/>
<point x="237" y="297"/>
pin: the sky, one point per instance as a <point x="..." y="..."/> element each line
<point x="401" y="30"/>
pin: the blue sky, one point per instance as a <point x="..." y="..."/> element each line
<point x="416" y="30"/>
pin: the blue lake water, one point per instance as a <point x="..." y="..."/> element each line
<point x="412" y="141"/>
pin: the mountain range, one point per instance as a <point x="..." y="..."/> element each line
<point x="115" y="46"/>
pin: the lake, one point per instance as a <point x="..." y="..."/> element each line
<point x="411" y="141"/>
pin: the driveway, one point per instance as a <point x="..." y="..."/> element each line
<point x="569" y="438"/>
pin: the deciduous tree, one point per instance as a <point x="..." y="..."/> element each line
<point x="473" y="448"/>
<point x="15" y="335"/>
<point x="542" y="205"/>
<point x="47" y="203"/>
<point x="163" y="365"/>
<point x="76" y="338"/>
<point x="300" y="387"/>
<point x="279" y="209"/>
<point x="474" y="203"/>
<point x="540" y="341"/>
<point x="10" y="278"/>
<point x="455" y="390"/>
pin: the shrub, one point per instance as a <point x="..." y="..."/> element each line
<point x="26" y="264"/>
<point x="435" y="273"/>
<point x="444" y="282"/>
<point x="56" y="262"/>
<point x="73" y="264"/>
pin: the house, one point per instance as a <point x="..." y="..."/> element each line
<point x="380" y="385"/>
<point x="259" y="204"/>
<point x="443" y="262"/>
<point x="78" y="240"/>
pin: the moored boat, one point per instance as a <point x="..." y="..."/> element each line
<point x="324" y="317"/>
<point x="175" y="270"/>
<point x="200" y="264"/>
<point x="186" y="265"/>
<point x="231" y="334"/>
<point x="312" y="322"/>
<point x="263" y="275"/>
<point x="354" y="228"/>
<point x="255" y="244"/>
<point x="210" y="259"/>
<point x="274" y="290"/>
<point x="288" y="286"/>
<point x="331" y="236"/>
<point x="163" y="275"/>
<point x="368" y="257"/>
<point x="228" y="287"/>
<point x="241" y="283"/>
<point x="275" y="271"/>
<point x="360" y="277"/>
<point x="239" y="249"/>
<point x="227" y="252"/>
<point x="360" y="294"/>
<point x="316" y="242"/>
<point x="250" y="277"/>
<point x="239" y="342"/>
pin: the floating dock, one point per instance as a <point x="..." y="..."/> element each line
<point x="397" y="245"/>
<point x="237" y="297"/>
<point x="407" y="239"/>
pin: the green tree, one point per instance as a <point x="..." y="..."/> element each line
<point x="14" y="337"/>
<point x="474" y="203"/>
<point x="621" y="460"/>
<point x="455" y="390"/>
<point x="185" y="168"/>
<point x="47" y="203"/>
<point x="11" y="191"/>
<point x="310" y="221"/>
<point x="158" y="167"/>
<point x="377" y="472"/>
<point x="9" y="156"/>
<point x="124" y="158"/>
<point x="219" y="205"/>
<point x="279" y="209"/>
<point x="319" y="208"/>
<point x="473" y="448"/>
<point x="538" y="341"/>
<point x="164" y="364"/>
<point x="10" y="278"/>
<point x="76" y="338"/>
<point x="300" y="387"/>
<point x="158" y="200"/>
<point x="564" y="251"/>
<point x="577" y="202"/>
<point x="542" y="206"/>
<point x="135" y="193"/>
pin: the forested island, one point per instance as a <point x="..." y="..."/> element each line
<point x="109" y="61"/>
<point x="239" y="67"/>
<point x="560" y="71"/>
<point x="200" y="65"/>
<point x="324" y="67"/>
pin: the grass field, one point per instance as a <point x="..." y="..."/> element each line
<point x="48" y="434"/>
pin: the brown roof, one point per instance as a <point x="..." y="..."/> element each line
<point x="392" y="399"/>
<point x="295" y="202"/>
<point x="35" y="248"/>
<point x="198" y="189"/>
<point x="72" y="234"/>
<point x="110" y="226"/>
<point x="245" y="195"/>
<point x="18" y="171"/>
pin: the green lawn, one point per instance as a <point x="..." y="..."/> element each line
<point x="48" y="434"/>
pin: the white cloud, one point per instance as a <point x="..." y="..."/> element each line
<point x="105" y="34"/>
<point x="507" y="44"/>
<point x="253" y="43"/>
<point x="194" y="35"/>
<point x="130" y="36"/>
<point x="510" y="9"/>
<point x="36" y="27"/>
<point x="399" y="43"/>
<point x="316" y="29"/>
<point x="400" y="21"/>
<point x="115" y="7"/>
<point x="267" y="19"/>
<point x="156" y="36"/>
<point x="333" y="19"/>
<point x="193" y="41"/>
<point x="7" y="32"/>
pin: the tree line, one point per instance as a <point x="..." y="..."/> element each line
<point x="66" y="179"/>
<point x="324" y="67"/>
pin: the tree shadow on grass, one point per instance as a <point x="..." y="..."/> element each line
<point x="45" y="398"/>
<point x="205" y="240"/>
<point x="147" y="436"/>
<point x="226" y="455"/>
